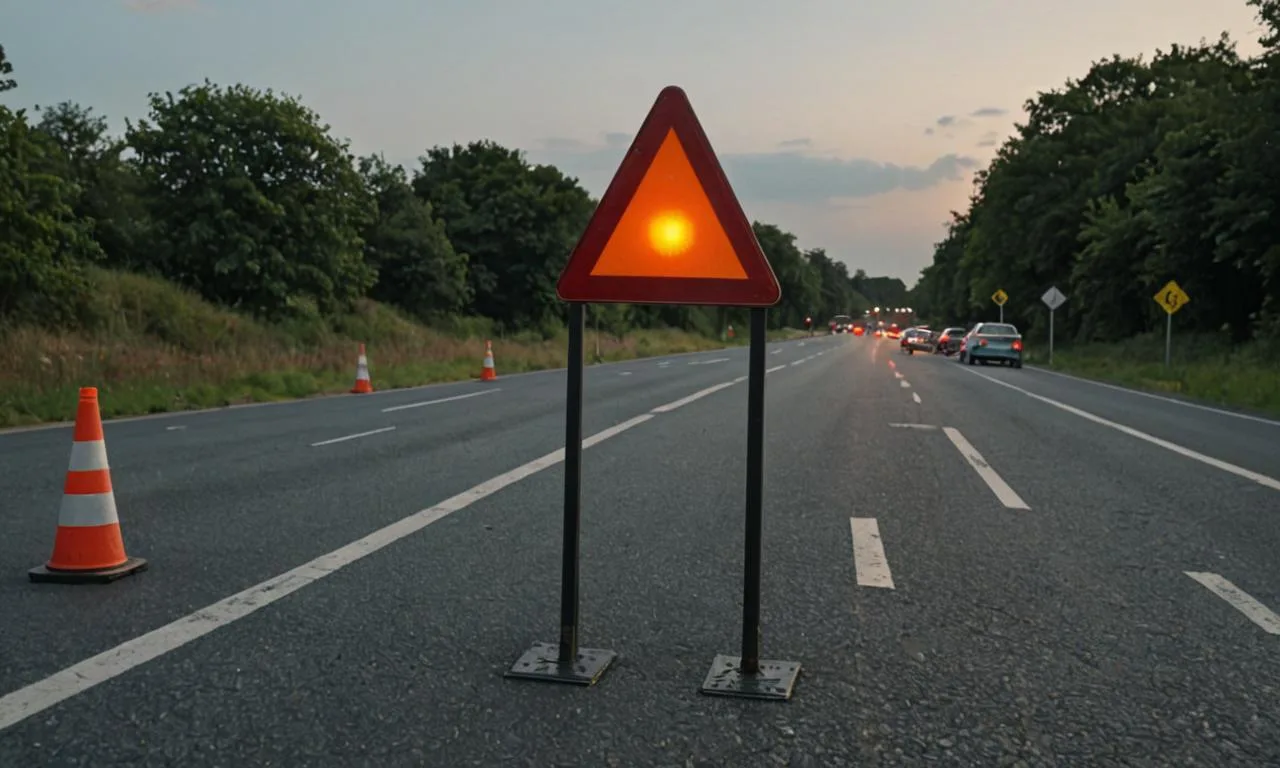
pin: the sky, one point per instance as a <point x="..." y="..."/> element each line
<point x="855" y="125"/>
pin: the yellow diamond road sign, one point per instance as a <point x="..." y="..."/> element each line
<point x="1171" y="297"/>
<point x="999" y="297"/>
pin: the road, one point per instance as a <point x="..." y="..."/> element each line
<point x="974" y="565"/>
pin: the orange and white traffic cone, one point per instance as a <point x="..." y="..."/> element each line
<point x="488" y="372"/>
<point x="88" y="547"/>
<point x="363" y="386"/>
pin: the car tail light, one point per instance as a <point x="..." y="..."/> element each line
<point x="1017" y="345"/>
<point x="982" y="342"/>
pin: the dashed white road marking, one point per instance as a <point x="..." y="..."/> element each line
<point x="78" y="678"/>
<point x="1240" y="600"/>
<point x="775" y="368"/>
<point x="901" y="425"/>
<point x="905" y="384"/>
<point x="1248" y="474"/>
<point x="440" y="400"/>
<point x="897" y="375"/>
<point x="175" y="428"/>
<point x="345" y="438"/>
<point x="870" y="566"/>
<point x="800" y="361"/>
<point x="998" y="486"/>
<point x="915" y="397"/>
<point x="709" y="362"/>
<point x="625" y="373"/>
<point x="776" y="351"/>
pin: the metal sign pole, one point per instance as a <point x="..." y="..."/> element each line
<point x="565" y="662"/>
<point x="1051" y="337"/>
<point x="1002" y="313"/>
<point x="747" y="675"/>
<point x="1168" y="339"/>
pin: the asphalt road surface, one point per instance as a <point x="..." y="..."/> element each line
<point x="974" y="565"/>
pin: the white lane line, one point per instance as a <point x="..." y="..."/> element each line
<point x="674" y="404"/>
<point x="801" y="361"/>
<point x="901" y="425"/>
<point x="345" y="438"/>
<point x="915" y="397"/>
<point x="174" y="428"/>
<point x="776" y="351"/>
<point x="1240" y="600"/>
<point x="709" y="362"/>
<point x="440" y="400"/>
<point x="775" y="368"/>
<point x="869" y="563"/>
<point x="905" y="384"/>
<point x="625" y="373"/>
<point x="1153" y="396"/>
<point x="997" y="484"/>
<point x="78" y="678"/>
<point x="1248" y="474"/>
<point x="897" y="375"/>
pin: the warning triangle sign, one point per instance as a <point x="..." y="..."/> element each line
<point x="669" y="229"/>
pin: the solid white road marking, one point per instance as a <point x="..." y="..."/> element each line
<point x="1237" y="598"/>
<point x="997" y="484"/>
<point x="1153" y="396"/>
<point x="78" y="678"/>
<point x="915" y="397"/>
<point x="344" y="438"/>
<point x="1248" y="474"/>
<point x="869" y="563"/>
<point x="901" y="425"/>
<point x="441" y="400"/>
<point x="674" y="404"/>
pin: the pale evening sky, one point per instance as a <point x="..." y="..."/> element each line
<point x="819" y="109"/>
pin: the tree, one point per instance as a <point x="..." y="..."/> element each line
<point x="6" y="83"/>
<point x="418" y="269"/>
<point x="516" y="222"/>
<point x="43" y="246"/>
<point x="253" y="203"/>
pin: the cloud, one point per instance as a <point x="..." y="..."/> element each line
<point x="946" y="121"/>
<point x="989" y="112"/>
<point x="928" y="131"/>
<point x="987" y="143"/>
<point x="796" y="143"/>
<point x="791" y="176"/>
<point x="160" y="6"/>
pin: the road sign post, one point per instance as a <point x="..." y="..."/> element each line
<point x="1052" y="298"/>
<point x="1171" y="298"/>
<point x="668" y="230"/>
<point x="1000" y="297"/>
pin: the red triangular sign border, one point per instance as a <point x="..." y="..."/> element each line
<point x="671" y="111"/>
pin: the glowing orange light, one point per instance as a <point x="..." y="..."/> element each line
<point x="671" y="233"/>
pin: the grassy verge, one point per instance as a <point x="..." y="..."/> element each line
<point x="1204" y="368"/>
<point x="155" y="348"/>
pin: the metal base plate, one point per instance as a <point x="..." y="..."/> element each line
<point x="775" y="681"/>
<point x="43" y="574"/>
<point x="542" y="662"/>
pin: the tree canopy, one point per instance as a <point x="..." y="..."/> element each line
<point x="1135" y="174"/>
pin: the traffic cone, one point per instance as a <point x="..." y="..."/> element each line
<point x="88" y="547"/>
<point x="488" y="372"/>
<point x="363" y="386"/>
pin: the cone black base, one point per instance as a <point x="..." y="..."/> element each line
<point x="776" y="680"/>
<point x="46" y="575"/>
<point x="542" y="662"/>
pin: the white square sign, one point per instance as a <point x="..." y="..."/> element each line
<point x="1053" y="298"/>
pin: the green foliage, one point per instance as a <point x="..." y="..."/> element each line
<point x="252" y="203"/>
<point x="1137" y="173"/>
<point x="6" y="83"/>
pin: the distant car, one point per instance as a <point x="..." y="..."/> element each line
<point x="992" y="342"/>
<point x="841" y="324"/>
<point x="858" y="330"/>
<point x="917" y="340"/>
<point x="894" y="332"/>
<point x="948" y="342"/>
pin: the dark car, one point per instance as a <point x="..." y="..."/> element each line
<point x="917" y="340"/>
<point x="948" y="342"/>
<point x="841" y="324"/>
<point x="993" y="342"/>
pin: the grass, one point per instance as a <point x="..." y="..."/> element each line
<point x="1204" y="368"/>
<point x="155" y="348"/>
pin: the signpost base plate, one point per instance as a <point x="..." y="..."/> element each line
<point x="775" y="681"/>
<point x="542" y="662"/>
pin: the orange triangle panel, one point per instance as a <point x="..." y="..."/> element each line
<point x="669" y="229"/>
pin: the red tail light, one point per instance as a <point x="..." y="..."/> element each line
<point x="982" y="342"/>
<point x="1017" y="345"/>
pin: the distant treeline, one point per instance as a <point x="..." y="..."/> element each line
<point x="1137" y="173"/>
<point x="245" y="197"/>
